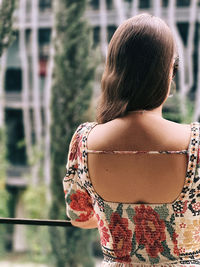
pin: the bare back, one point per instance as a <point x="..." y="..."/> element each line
<point x="138" y="178"/>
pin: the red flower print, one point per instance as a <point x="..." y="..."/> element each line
<point x="149" y="230"/>
<point x="104" y="236"/>
<point x="182" y="250"/>
<point x="121" y="236"/>
<point x="176" y="251"/>
<point x="75" y="147"/>
<point x="182" y="225"/>
<point x="81" y="201"/>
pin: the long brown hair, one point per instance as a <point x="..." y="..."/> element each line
<point x="136" y="75"/>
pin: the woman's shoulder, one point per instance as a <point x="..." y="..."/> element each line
<point x="79" y="139"/>
<point x="121" y="134"/>
<point x="84" y="128"/>
<point x="180" y="129"/>
<point x="82" y="132"/>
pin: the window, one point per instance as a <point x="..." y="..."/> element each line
<point x="96" y="35"/>
<point x="144" y="4"/>
<point x="44" y="40"/>
<point x="13" y="80"/>
<point x="182" y="3"/>
<point x="94" y="4"/>
<point x="111" y="30"/>
<point x="109" y="4"/>
<point x="44" y="5"/>
<point x="16" y="151"/>
<point x="183" y="29"/>
<point x="44" y="36"/>
<point x="165" y="3"/>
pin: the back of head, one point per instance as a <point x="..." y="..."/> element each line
<point x="136" y="75"/>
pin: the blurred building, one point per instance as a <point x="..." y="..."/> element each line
<point x="27" y="76"/>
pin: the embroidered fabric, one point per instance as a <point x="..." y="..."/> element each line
<point x="137" y="234"/>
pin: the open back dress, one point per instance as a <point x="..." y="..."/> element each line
<point x="137" y="234"/>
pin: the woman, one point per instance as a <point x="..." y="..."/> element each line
<point x="134" y="174"/>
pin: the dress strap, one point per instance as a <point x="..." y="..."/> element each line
<point x="191" y="169"/>
<point x="136" y="152"/>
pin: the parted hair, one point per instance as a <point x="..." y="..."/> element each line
<point x="137" y="70"/>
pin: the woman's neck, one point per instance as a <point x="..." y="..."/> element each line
<point x="155" y="112"/>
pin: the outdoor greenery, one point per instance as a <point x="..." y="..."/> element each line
<point x="73" y="78"/>
<point x="71" y="94"/>
<point x="3" y="192"/>
<point x="36" y="206"/>
<point x="6" y="20"/>
<point x="6" y="36"/>
<point x="172" y="110"/>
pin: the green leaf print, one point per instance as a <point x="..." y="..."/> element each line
<point x="154" y="260"/>
<point x="172" y="219"/>
<point x="72" y="191"/>
<point x="170" y="229"/>
<point x="68" y="198"/>
<point x="139" y="256"/>
<point x="133" y="244"/>
<point x="134" y="250"/>
<point x="166" y="251"/>
<point x="119" y="209"/>
<point x="72" y="215"/>
<point x="141" y="246"/>
<point x="108" y="211"/>
<point x="131" y="213"/>
<point x="162" y="211"/>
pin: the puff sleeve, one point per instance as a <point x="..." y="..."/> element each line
<point x="79" y="206"/>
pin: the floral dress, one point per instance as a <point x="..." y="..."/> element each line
<point x="137" y="234"/>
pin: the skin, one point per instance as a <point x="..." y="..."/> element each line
<point x="123" y="178"/>
<point x="90" y="224"/>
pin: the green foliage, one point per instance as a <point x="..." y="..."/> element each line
<point x="71" y="94"/>
<point x="3" y="163"/>
<point x="72" y="246"/>
<point x="3" y="193"/>
<point x="6" y="37"/>
<point x="6" y="20"/>
<point x="172" y="109"/>
<point x="34" y="196"/>
<point x="36" y="203"/>
<point x="39" y="246"/>
<point x="37" y="207"/>
<point x="189" y="111"/>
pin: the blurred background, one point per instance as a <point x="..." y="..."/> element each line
<point x="52" y="58"/>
